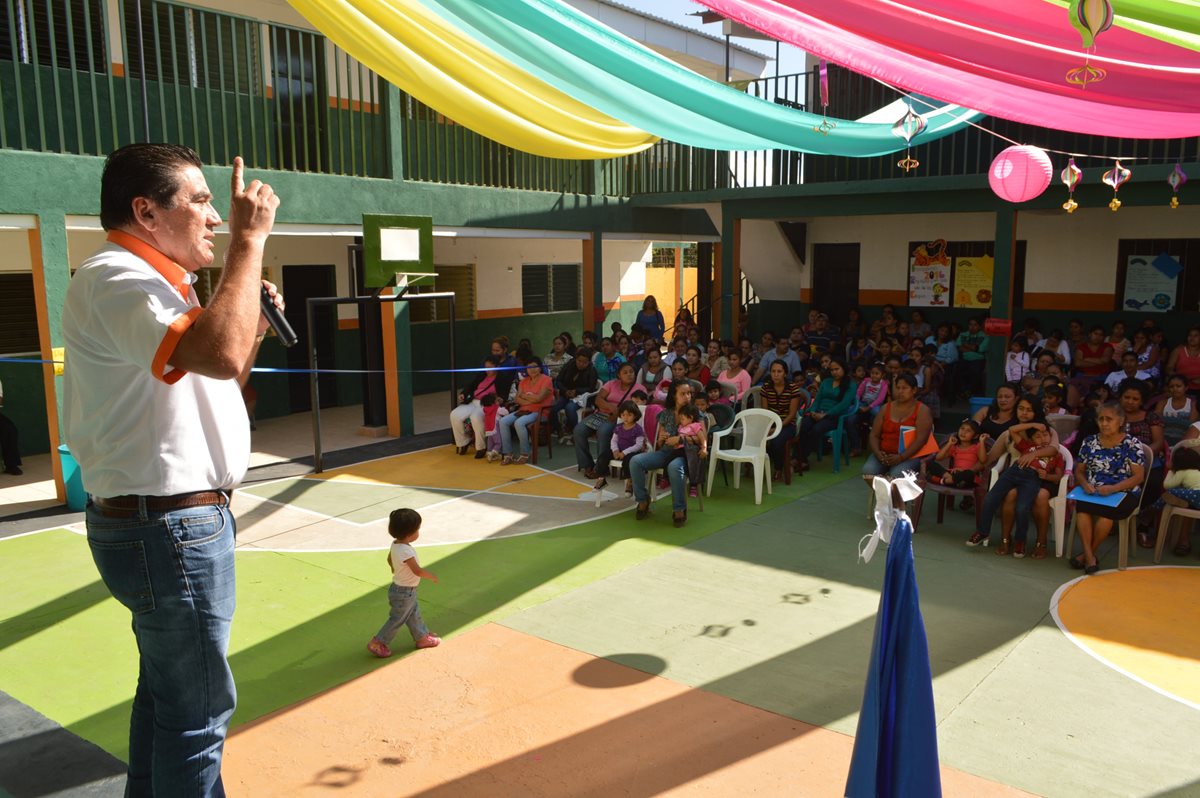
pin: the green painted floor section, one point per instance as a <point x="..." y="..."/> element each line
<point x="775" y="611"/>
<point x="350" y="501"/>
<point x="303" y="619"/>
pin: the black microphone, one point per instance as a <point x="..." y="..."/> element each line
<point x="287" y="336"/>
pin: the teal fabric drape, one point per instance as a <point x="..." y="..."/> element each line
<point x="619" y="77"/>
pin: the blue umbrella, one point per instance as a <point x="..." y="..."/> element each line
<point x="895" y="748"/>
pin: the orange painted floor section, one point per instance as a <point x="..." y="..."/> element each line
<point x="1143" y="620"/>
<point x="498" y="713"/>
<point x="432" y="468"/>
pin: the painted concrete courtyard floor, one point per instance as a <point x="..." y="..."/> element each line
<point x="589" y="654"/>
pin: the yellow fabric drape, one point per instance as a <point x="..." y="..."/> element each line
<point x="421" y="54"/>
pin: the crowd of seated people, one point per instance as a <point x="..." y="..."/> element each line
<point x="889" y="378"/>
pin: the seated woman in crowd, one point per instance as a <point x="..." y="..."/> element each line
<point x="781" y="395"/>
<point x="918" y="328"/>
<point x="1094" y="357"/>
<point x="854" y="326"/>
<point x="1185" y="361"/>
<point x="667" y="441"/>
<point x="735" y="375"/>
<point x="1181" y="488"/>
<point x="470" y="408"/>
<point x="1000" y="415"/>
<point x="887" y="456"/>
<point x="603" y="420"/>
<point x="1027" y="485"/>
<point x="714" y="360"/>
<point x="835" y="397"/>
<point x="1149" y="356"/>
<point x="1109" y="462"/>
<point x="653" y="372"/>
<point x="1177" y="410"/>
<point x="576" y="378"/>
<point x="557" y="358"/>
<point x="696" y="370"/>
<point x="1120" y="344"/>
<point x="535" y="393"/>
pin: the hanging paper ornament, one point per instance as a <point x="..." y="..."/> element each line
<point x="1070" y="178"/>
<point x="1082" y="76"/>
<point x="1020" y="173"/>
<point x="1176" y="179"/>
<point x="825" y="125"/>
<point x="1091" y="18"/>
<point x="1115" y="177"/>
<point x="908" y="127"/>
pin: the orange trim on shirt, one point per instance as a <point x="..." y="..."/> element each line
<point x="171" y="271"/>
<point x="166" y="347"/>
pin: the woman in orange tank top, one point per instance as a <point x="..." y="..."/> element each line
<point x="903" y="411"/>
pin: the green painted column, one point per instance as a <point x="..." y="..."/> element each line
<point x="395" y="132"/>
<point x="598" y="281"/>
<point x="1002" y="290"/>
<point x="728" y="251"/>
<point x="56" y="276"/>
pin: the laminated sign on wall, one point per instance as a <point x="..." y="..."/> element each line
<point x="929" y="275"/>
<point x="1150" y="283"/>
<point x="973" y="281"/>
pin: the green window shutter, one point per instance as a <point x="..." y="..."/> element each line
<point x="535" y="288"/>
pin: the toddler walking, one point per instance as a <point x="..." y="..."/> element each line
<point x="404" y="525"/>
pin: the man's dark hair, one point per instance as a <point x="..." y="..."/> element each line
<point x="141" y="170"/>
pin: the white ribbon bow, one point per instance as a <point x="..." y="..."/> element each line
<point x="885" y="514"/>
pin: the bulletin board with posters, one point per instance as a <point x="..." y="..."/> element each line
<point x="973" y="281"/>
<point x="928" y="274"/>
<point x="1151" y="283"/>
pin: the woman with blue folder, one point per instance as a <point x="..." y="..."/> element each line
<point x="1109" y="474"/>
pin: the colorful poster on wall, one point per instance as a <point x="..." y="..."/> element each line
<point x="973" y="281"/>
<point x="929" y="275"/>
<point x="1150" y="283"/>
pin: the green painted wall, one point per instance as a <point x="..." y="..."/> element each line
<point x="472" y="342"/>
<point x="25" y="405"/>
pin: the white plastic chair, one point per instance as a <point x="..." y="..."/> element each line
<point x="1058" y="502"/>
<point x="1126" y="540"/>
<point x="757" y="427"/>
<point x="1170" y="513"/>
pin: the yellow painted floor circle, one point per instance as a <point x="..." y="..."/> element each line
<point x="1141" y="622"/>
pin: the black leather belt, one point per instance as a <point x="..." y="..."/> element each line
<point x="124" y="505"/>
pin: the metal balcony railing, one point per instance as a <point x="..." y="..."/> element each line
<point x="225" y="85"/>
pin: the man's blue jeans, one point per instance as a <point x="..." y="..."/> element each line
<point x="583" y="451"/>
<point x="676" y="471"/>
<point x="568" y="406"/>
<point x="1026" y="483"/>
<point x="174" y="572"/>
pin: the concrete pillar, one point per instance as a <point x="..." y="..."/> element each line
<point x="1002" y="291"/>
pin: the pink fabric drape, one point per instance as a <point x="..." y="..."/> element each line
<point x="1006" y="59"/>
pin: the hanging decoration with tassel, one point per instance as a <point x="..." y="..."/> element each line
<point x="825" y="125"/>
<point x="1176" y="179"/>
<point x="1115" y="177"/>
<point x="1070" y="178"/>
<point x="1090" y="18"/>
<point x="906" y="127"/>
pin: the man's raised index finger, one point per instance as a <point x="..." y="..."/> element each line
<point x="238" y="186"/>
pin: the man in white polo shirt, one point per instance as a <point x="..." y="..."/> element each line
<point x="153" y="412"/>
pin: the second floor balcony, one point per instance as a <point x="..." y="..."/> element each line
<point x="87" y="76"/>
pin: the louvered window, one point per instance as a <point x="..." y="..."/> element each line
<point x="550" y="289"/>
<point x="460" y="280"/>
<point x="68" y="34"/>
<point x="193" y="47"/>
<point x="18" y="315"/>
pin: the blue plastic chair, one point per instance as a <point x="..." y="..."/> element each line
<point x="840" y="441"/>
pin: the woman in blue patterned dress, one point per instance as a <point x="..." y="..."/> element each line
<point x="1109" y="462"/>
